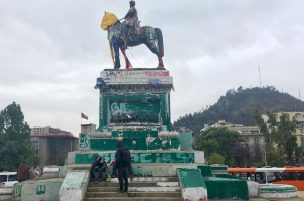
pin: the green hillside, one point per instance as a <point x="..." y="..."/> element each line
<point x="239" y="106"/>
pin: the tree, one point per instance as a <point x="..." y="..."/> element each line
<point x="257" y="155"/>
<point x="299" y="156"/>
<point x="285" y="137"/>
<point x="14" y="139"/>
<point x="276" y="157"/>
<point x="221" y="141"/>
<point x="216" y="159"/>
<point x="280" y="141"/>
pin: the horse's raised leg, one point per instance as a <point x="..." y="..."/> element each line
<point x="160" y="62"/>
<point x="128" y="64"/>
<point x="116" y="53"/>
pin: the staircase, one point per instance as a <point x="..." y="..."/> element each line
<point x="140" y="189"/>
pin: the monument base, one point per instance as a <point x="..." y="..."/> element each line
<point x="144" y="163"/>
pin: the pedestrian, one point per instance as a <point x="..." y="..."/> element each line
<point x="23" y="172"/>
<point x="35" y="171"/>
<point x="123" y="165"/>
<point x="98" y="169"/>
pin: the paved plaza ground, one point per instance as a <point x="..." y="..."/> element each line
<point x="300" y="198"/>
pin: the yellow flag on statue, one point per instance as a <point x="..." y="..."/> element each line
<point x="108" y="20"/>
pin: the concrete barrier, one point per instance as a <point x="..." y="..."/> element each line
<point x="37" y="190"/>
<point x="5" y="194"/>
<point x="253" y="188"/>
<point x="226" y="188"/>
<point x="278" y="191"/>
<point x="74" y="185"/>
<point x="192" y="185"/>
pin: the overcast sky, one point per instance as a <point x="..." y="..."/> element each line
<point x="51" y="52"/>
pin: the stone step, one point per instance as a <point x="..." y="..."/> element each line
<point x="147" y="179"/>
<point x="103" y="189"/>
<point x="132" y="194"/>
<point x="115" y="184"/>
<point x="134" y="189"/>
<point x="135" y="199"/>
<point x="159" y="184"/>
<point x="155" y="179"/>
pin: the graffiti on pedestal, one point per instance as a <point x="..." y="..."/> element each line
<point x="161" y="157"/>
<point x="142" y="111"/>
<point x="84" y="141"/>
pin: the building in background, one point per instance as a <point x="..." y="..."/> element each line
<point x="299" y="120"/>
<point x="53" y="145"/>
<point x="250" y="134"/>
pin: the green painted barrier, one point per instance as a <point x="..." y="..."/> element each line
<point x="224" y="188"/>
<point x="190" y="178"/>
<point x="192" y="184"/>
<point x="228" y="176"/>
<point x="205" y="170"/>
<point x="219" y="169"/>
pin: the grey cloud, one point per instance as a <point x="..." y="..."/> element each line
<point x="52" y="51"/>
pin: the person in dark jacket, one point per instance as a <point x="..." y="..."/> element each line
<point x="114" y="167"/>
<point x="123" y="164"/>
<point x="98" y="169"/>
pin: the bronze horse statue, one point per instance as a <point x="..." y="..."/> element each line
<point x="151" y="37"/>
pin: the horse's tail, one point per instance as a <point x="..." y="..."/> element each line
<point x="160" y="42"/>
<point x="112" y="52"/>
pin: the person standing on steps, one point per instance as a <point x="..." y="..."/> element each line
<point x="123" y="164"/>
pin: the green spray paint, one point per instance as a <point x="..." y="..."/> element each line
<point x="190" y="178"/>
<point x="40" y="189"/>
<point x="133" y="99"/>
<point x="84" y="141"/>
<point x="17" y="188"/>
<point x="158" y="157"/>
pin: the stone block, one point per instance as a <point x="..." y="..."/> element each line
<point x="75" y="185"/>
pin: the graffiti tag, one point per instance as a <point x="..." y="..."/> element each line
<point x="17" y="190"/>
<point x="84" y="141"/>
<point x="157" y="73"/>
<point x="113" y="74"/>
<point x="40" y="190"/>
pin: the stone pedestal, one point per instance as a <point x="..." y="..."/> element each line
<point x="134" y="107"/>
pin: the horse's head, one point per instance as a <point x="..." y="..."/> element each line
<point x="108" y="20"/>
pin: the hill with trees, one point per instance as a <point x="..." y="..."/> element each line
<point x="239" y="106"/>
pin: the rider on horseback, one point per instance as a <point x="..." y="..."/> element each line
<point x="131" y="22"/>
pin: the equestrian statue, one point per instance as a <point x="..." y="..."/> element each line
<point x="129" y="34"/>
